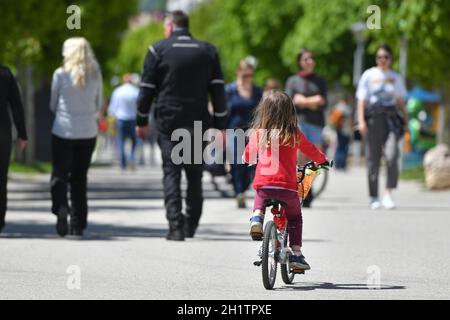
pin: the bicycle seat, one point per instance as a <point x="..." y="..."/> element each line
<point x="274" y="203"/>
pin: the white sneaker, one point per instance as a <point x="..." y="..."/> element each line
<point x="375" y="204"/>
<point x="388" y="203"/>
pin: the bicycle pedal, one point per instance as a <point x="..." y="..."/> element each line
<point x="257" y="263"/>
<point x="297" y="271"/>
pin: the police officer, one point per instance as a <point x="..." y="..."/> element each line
<point x="181" y="71"/>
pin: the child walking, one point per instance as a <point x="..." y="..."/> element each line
<point x="274" y="146"/>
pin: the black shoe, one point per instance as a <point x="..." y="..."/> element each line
<point x="76" y="232"/>
<point x="62" y="227"/>
<point x="2" y="225"/>
<point x="189" y="230"/>
<point x="76" y="228"/>
<point x="176" y="235"/>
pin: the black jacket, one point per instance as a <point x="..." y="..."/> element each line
<point x="10" y="99"/>
<point x="180" y="72"/>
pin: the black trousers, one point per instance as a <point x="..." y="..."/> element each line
<point x="5" y="154"/>
<point x="172" y="187"/>
<point x="71" y="160"/>
<point x="381" y="140"/>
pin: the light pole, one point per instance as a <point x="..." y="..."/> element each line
<point x="358" y="65"/>
<point x="403" y="50"/>
<point x="358" y="60"/>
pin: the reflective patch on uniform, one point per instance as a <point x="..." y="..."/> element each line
<point x="184" y="38"/>
<point x="143" y="115"/>
<point x="185" y="45"/>
<point x="153" y="51"/>
<point x="217" y="81"/>
<point x="148" y="85"/>
<point x="220" y="115"/>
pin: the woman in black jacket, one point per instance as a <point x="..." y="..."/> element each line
<point x="9" y="100"/>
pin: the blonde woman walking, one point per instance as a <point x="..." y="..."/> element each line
<point x="76" y="100"/>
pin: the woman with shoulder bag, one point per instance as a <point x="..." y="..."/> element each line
<point x="382" y="119"/>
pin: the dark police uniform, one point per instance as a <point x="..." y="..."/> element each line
<point x="10" y="102"/>
<point x="180" y="73"/>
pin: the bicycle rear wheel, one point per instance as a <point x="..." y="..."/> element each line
<point x="286" y="274"/>
<point x="269" y="258"/>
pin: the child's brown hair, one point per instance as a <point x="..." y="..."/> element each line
<point x="276" y="117"/>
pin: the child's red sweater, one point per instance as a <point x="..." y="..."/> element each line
<point x="279" y="170"/>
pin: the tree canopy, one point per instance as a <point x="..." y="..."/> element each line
<point x="35" y="30"/>
<point x="134" y="47"/>
<point x="274" y="32"/>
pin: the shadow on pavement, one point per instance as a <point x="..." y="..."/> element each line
<point x="103" y="232"/>
<point x="109" y="232"/>
<point x="95" y="232"/>
<point x="114" y="194"/>
<point x="92" y="208"/>
<point x="333" y="286"/>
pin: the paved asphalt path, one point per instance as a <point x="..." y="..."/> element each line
<point x="125" y="255"/>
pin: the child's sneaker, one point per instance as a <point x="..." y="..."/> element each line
<point x="298" y="262"/>
<point x="256" y="228"/>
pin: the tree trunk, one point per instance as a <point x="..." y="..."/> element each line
<point x="444" y="117"/>
<point x="26" y="79"/>
<point x="30" y="116"/>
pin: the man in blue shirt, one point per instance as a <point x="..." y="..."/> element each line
<point x="123" y="108"/>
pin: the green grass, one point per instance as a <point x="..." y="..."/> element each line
<point x="36" y="168"/>
<point x="414" y="173"/>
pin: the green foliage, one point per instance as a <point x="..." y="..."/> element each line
<point x="414" y="173"/>
<point x="426" y="25"/>
<point x="325" y="29"/>
<point x="134" y="48"/>
<point x="35" y="168"/>
<point x="240" y="28"/>
<point x="274" y="31"/>
<point x="37" y="29"/>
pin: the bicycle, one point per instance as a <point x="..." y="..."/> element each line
<point x="321" y="179"/>
<point x="320" y="182"/>
<point x="275" y="242"/>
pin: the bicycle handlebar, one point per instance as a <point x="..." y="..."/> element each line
<point x="312" y="166"/>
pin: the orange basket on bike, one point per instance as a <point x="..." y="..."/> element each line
<point x="304" y="187"/>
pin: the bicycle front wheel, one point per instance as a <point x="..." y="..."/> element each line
<point x="320" y="183"/>
<point x="269" y="258"/>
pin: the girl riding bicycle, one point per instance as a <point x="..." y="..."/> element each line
<point x="274" y="146"/>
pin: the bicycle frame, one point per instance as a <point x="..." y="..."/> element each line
<point x="279" y="218"/>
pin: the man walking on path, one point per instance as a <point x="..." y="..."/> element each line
<point x="10" y="102"/>
<point x="123" y="108"/>
<point x="181" y="71"/>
